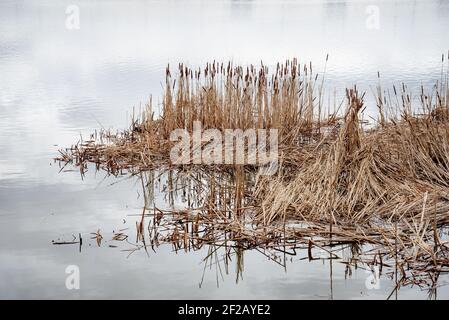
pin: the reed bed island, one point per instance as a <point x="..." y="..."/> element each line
<point x="381" y="186"/>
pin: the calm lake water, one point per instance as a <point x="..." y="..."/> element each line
<point x="57" y="83"/>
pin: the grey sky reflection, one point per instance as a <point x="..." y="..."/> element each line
<point x="56" y="83"/>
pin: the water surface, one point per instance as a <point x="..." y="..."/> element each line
<point x="56" y="84"/>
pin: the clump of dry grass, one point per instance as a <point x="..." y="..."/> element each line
<point x="385" y="171"/>
<point x="222" y="97"/>
<point x="386" y="185"/>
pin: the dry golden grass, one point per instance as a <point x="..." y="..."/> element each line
<point x="386" y="185"/>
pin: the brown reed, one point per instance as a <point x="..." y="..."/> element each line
<point x="386" y="185"/>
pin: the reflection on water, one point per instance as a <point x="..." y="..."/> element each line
<point x="195" y="216"/>
<point x="58" y="83"/>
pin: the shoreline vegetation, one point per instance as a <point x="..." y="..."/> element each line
<point x="382" y="187"/>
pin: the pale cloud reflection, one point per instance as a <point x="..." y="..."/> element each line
<point x="57" y="84"/>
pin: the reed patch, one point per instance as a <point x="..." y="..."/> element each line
<point x="381" y="186"/>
